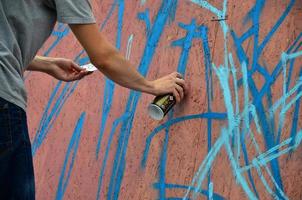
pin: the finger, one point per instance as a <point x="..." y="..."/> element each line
<point x="76" y="76"/>
<point x="180" y="82"/>
<point x="76" y="67"/>
<point x="180" y="91"/>
<point x="82" y="74"/>
<point x="178" y="75"/>
<point x="176" y="95"/>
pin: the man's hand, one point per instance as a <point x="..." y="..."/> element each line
<point x="66" y="70"/>
<point x="170" y="84"/>
<point x="60" y="68"/>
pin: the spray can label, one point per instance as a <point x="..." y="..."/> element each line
<point x="161" y="105"/>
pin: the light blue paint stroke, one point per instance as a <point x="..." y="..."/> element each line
<point x="268" y="135"/>
<point x="210" y="7"/>
<point x="259" y="107"/>
<point x="275" y="73"/>
<point x="263" y="180"/>
<point x="269" y="81"/>
<point x="129" y="46"/>
<point x="143" y="2"/>
<point x="296" y="115"/>
<point x="211" y="189"/>
<point x="205" y="166"/>
<point x="223" y="74"/>
<point x="284" y="60"/>
<point x="247" y="110"/>
<point x="271" y="154"/>
<point x="240" y="179"/>
<point x="246" y="120"/>
<point x="220" y="15"/>
<point x="237" y="130"/>
<point x="279" y="102"/>
<point x="70" y="158"/>
<point x="252" y="86"/>
<point x="289" y="105"/>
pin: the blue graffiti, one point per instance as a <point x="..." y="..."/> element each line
<point x="70" y="157"/>
<point x="245" y="104"/>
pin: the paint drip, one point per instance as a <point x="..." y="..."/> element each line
<point x="161" y="105"/>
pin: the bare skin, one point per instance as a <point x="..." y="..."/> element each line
<point x="110" y="62"/>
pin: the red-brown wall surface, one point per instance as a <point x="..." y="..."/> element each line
<point x="236" y="135"/>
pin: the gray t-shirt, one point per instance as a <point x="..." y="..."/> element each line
<point x="24" y="27"/>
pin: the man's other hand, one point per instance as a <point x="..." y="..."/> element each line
<point x="66" y="70"/>
<point x="60" y="68"/>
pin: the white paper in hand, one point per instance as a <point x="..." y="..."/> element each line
<point x="89" y="67"/>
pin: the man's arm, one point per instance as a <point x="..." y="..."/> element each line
<point x="112" y="64"/>
<point x="60" y="68"/>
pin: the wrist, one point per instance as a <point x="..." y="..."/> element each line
<point x="149" y="87"/>
<point x="45" y="64"/>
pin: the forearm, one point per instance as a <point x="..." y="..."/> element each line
<point x="108" y="60"/>
<point x="41" y="64"/>
<point x="118" y="69"/>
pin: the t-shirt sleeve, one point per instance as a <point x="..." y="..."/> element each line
<point x="74" y="11"/>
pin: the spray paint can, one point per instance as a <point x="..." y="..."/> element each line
<point x="161" y="105"/>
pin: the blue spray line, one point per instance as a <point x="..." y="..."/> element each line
<point x="109" y="84"/>
<point x="70" y="158"/>
<point x="271" y="81"/>
<point x="276" y="72"/>
<point x="186" y="44"/>
<point x="260" y="174"/>
<point x="224" y="26"/>
<point x="163" y="162"/>
<point x="102" y="171"/>
<point x="265" y="157"/>
<point x="226" y="135"/>
<point x="54" y="107"/>
<point x="268" y="37"/>
<point x="201" y="192"/>
<point x="260" y="160"/>
<point x="192" y="32"/>
<point x="61" y="32"/>
<point x="153" y="39"/>
<point x="203" y="2"/>
<point x="209" y="85"/>
<point x="49" y="118"/>
<point x="213" y="116"/>
<point x="145" y="17"/>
